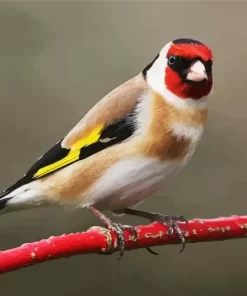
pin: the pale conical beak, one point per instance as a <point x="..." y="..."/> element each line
<point x="197" y="72"/>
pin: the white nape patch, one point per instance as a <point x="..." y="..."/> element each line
<point x="144" y="114"/>
<point x="192" y="132"/>
<point x="130" y="181"/>
<point x="156" y="80"/>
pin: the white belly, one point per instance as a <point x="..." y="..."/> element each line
<point x="130" y="181"/>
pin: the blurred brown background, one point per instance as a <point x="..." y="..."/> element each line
<point x="56" y="60"/>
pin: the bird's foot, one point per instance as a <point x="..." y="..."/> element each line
<point x="116" y="228"/>
<point x="172" y="223"/>
<point x="119" y="230"/>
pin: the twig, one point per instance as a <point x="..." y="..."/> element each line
<point x="100" y="240"/>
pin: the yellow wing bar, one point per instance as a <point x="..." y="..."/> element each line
<point x="74" y="153"/>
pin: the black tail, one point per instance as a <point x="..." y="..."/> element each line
<point x="3" y="202"/>
<point x="3" y="199"/>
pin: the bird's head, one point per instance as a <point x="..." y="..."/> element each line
<point x="182" y="72"/>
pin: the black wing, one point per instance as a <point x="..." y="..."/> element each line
<point x="58" y="157"/>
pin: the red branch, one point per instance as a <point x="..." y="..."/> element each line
<point x="100" y="240"/>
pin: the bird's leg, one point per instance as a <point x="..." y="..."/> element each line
<point x="170" y="221"/>
<point x="116" y="227"/>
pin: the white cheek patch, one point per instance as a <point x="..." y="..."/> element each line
<point x="184" y="103"/>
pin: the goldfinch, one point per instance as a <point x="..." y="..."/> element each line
<point x="129" y="144"/>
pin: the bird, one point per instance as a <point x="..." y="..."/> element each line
<point x="129" y="145"/>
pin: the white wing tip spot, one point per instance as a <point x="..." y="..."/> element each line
<point x="106" y="140"/>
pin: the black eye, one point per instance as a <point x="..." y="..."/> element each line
<point x="172" y="60"/>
